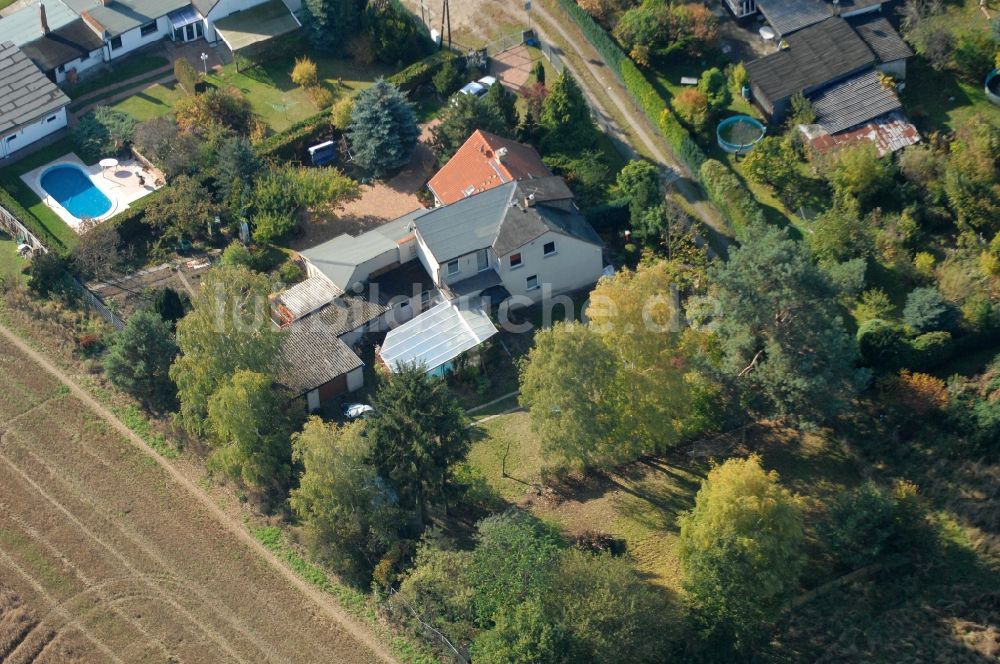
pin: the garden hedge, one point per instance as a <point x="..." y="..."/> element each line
<point x="420" y="72"/>
<point x="730" y="195"/>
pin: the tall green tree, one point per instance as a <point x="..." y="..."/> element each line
<point x="169" y="306"/>
<point x="250" y="431"/>
<point x="972" y="175"/>
<point x="505" y="104"/>
<point x="418" y="431"/>
<point x="463" y="115"/>
<point x="228" y="328"/>
<point x="857" y="172"/>
<point x="782" y="339"/>
<point x="350" y="516"/>
<point x="639" y="183"/>
<point x="139" y="358"/>
<point x="331" y="23"/>
<point x="182" y="211"/>
<point x="840" y="234"/>
<point x="236" y="169"/>
<point x="510" y="562"/>
<point x="396" y="34"/>
<point x="566" y="118"/>
<point x="741" y="553"/>
<point x="383" y="131"/>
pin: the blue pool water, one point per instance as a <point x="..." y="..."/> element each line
<point x="72" y="189"/>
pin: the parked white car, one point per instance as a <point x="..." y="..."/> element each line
<point x="478" y="88"/>
<point x="354" y="411"/>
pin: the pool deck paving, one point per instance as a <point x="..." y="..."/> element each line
<point x="121" y="185"/>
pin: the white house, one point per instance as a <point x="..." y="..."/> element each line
<point x="526" y="237"/>
<point x="31" y="106"/>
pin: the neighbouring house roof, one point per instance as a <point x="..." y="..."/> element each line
<point x="313" y="355"/>
<point x="347" y="313"/>
<point x="120" y="16"/>
<point x="853" y="101"/>
<point x="889" y="133"/>
<point x="436" y="336"/>
<point x="256" y="25"/>
<point x="26" y="94"/>
<point x="502" y="219"/>
<point x="481" y="164"/>
<point x="66" y="44"/>
<point x="476" y="284"/>
<point x="338" y="259"/>
<point x="204" y="6"/>
<point x="787" y="16"/>
<point x="304" y="298"/>
<point x="25" y="24"/>
<point x="405" y="281"/>
<point x="815" y="56"/>
<point x="881" y="37"/>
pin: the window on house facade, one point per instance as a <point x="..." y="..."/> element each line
<point x="482" y="260"/>
<point x="532" y="282"/>
<point x="61" y="68"/>
<point x="453" y="267"/>
<point x="515" y="260"/>
<point x="51" y="119"/>
<point x="549" y="248"/>
<point x="148" y="29"/>
<point x="116" y="43"/>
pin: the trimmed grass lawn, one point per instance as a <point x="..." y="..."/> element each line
<point x="279" y="101"/>
<point x="10" y="179"/>
<point x="10" y="262"/>
<point x="940" y="101"/>
<point x="152" y="102"/>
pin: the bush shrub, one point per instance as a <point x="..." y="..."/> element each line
<point x="421" y="72"/>
<point x="880" y="344"/>
<point x="929" y="351"/>
<point x="102" y="132"/>
<point x="927" y="310"/>
<point x="186" y="75"/>
<point x="305" y="73"/>
<point x="30" y="221"/>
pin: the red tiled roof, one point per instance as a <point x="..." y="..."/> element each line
<point x="477" y="167"/>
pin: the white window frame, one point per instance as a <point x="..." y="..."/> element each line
<point x="549" y="253"/>
<point x="520" y="261"/>
<point x="458" y="267"/>
<point x="111" y="43"/>
<point x="528" y="285"/>
<point x="142" y="29"/>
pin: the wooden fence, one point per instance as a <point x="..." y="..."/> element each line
<point x="12" y="226"/>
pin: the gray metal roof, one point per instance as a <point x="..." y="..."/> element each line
<point x="504" y="219"/>
<point x="312" y="355"/>
<point x="436" y="336"/>
<point x="252" y="27"/>
<point x="787" y="16"/>
<point x="881" y="37"/>
<point x="340" y="257"/>
<point x="120" y="16"/>
<point x="347" y="313"/>
<point x="816" y="56"/>
<point x="26" y="95"/>
<point x="66" y="44"/>
<point x="852" y="102"/>
<point x="25" y="25"/>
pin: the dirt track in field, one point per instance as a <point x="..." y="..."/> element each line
<point x="108" y="554"/>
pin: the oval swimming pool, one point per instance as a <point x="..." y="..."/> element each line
<point x="71" y="187"/>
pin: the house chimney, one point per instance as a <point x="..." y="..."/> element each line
<point x="501" y="155"/>
<point x="41" y="17"/>
<point x="529" y="201"/>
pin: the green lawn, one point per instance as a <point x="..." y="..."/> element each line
<point x="10" y="262"/>
<point x="152" y="102"/>
<point x="940" y="101"/>
<point x="279" y="101"/>
<point x="10" y="179"/>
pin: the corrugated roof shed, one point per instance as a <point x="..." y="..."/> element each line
<point x="853" y="101"/>
<point x="347" y="313"/>
<point x="26" y="95"/>
<point x="436" y="336"/>
<point x="305" y="297"/>
<point x="889" y="133"/>
<point x="312" y="355"/>
<point x="881" y="37"/>
<point x="816" y="56"/>
<point x="66" y="44"/>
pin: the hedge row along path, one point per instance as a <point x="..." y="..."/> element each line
<point x="118" y="556"/>
<point x="559" y="29"/>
